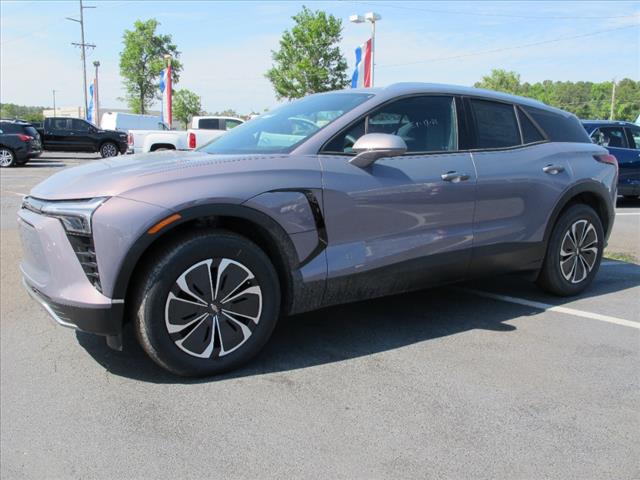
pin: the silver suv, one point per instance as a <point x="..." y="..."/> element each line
<point x="336" y="197"/>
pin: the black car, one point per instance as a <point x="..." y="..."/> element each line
<point x="19" y="141"/>
<point x="77" y="135"/>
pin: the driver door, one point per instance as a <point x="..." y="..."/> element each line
<point x="397" y="225"/>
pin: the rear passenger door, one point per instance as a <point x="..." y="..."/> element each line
<point x="520" y="180"/>
<point x="81" y="137"/>
<point x="57" y="135"/>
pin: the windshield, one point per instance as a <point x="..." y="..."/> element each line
<point x="281" y="130"/>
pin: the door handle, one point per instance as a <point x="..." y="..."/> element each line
<point x="553" y="169"/>
<point x="454" y="177"/>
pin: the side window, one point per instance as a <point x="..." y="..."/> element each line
<point x="634" y="136"/>
<point x="79" y="125"/>
<point x="229" y="124"/>
<point x="426" y="124"/>
<point x="495" y="124"/>
<point x="611" y="137"/>
<point x="209" y="123"/>
<point x="530" y="133"/>
<point x="61" y="124"/>
<point x="9" y="128"/>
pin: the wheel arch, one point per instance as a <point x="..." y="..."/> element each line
<point x="588" y="192"/>
<point x="257" y="226"/>
<point x="156" y="146"/>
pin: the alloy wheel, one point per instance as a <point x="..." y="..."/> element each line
<point x="6" y="157"/>
<point x="109" y="150"/>
<point x="579" y="251"/>
<point x="213" y="308"/>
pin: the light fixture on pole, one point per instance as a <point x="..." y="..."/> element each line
<point x="96" y="98"/>
<point x="371" y="17"/>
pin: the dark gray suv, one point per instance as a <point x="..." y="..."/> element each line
<point x="336" y="197"/>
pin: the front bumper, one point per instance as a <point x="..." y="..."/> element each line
<point x="54" y="277"/>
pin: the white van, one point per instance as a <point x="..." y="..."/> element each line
<point x="131" y="121"/>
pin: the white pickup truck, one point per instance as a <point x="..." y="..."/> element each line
<point x="203" y="130"/>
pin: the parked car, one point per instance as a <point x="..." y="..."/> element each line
<point x="19" y="142"/>
<point x="203" y="130"/>
<point x="408" y="186"/>
<point x="77" y="135"/>
<point x="131" y="121"/>
<point x="622" y="140"/>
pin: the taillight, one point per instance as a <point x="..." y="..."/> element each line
<point x="25" y="138"/>
<point x="192" y="140"/>
<point x="608" y="159"/>
<point x="130" y="138"/>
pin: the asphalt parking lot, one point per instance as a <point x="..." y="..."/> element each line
<point x="490" y="379"/>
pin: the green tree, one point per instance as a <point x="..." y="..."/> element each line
<point x="23" y="112"/>
<point x="309" y="59"/>
<point x="501" y="81"/>
<point x="185" y="105"/>
<point x="141" y="62"/>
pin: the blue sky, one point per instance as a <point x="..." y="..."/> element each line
<point x="226" y="45"/>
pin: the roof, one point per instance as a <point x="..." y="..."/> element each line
<point x="418" y="87"/>
<point x="607" y="122"/>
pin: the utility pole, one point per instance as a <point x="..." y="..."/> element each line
<point x="54" y="102"/>
<point x="83" y="55"/>
<point x="96" y="98"/>
<point x="613" y="99"/>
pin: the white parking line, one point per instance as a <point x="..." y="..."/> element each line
<point x="17" y="193"/>
<point x="627" y="213"/>
<point x="554" y="308"/>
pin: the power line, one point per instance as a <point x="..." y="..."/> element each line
<point x="496" y="50"/>
<point x="503" y="15"/>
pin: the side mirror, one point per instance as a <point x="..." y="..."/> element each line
<point x="373" y="146"/>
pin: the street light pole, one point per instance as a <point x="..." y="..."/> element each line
<point x="95" y="96"/>
<point x="54" y="102"/>
<point x="371" y="17"/>
<point x="168" y="89"/>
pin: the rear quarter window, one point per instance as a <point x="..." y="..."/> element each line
<point x="495" y="124"/>
<point x="559" y="128"/>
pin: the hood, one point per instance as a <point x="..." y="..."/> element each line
<point x="116" y="176"/>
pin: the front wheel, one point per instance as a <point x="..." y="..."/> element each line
<point x="108" y="149"/>
<point x="574" y="252"/>
<point x="207" y="304"/>
<point x="7" y="158"/>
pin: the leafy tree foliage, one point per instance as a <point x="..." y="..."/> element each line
<point x="587" y="100"/>
<point x="309" y="59"/>
<point x="185" y="105"/>
<point x="9" y="111"/>
<point x="141" y="62"/>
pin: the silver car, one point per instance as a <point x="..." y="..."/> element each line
<point x="336" y="197"/>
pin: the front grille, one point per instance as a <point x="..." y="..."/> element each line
<point x="85" y="251"/>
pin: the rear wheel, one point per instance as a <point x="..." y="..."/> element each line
<point x="207" y="304"/>
<point x="7" y="157"/>
<point x="108" y="149"/>
<point x="574" y="252"/>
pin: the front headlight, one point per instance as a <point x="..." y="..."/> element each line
<point x="75" y="215"/>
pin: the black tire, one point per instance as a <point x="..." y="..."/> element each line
<point x="196" y="345"/>
<point x="108" y="149"/>
<point x="568" y="270"/>
<point x="7" y="157"/>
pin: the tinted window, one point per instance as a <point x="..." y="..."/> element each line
<point x="427" y="124"/>
<point x="29" y="130"/>
<point x="530" y="133"/>
<point x="61" y="124"/>
<point x="559" y="128"/>
<point x="281" y="130"/>
<point x="496" y="125"/>
<point x="79" y="125"/>
<point x="7" y="127"/>
<point x="610" y="137"/>
<point x="209" y="123"/>
<point x="229" y="124"/>
<point x="634" y="136"/>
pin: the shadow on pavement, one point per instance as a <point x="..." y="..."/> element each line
<point x="628" y="202"/>
<point x="329" y="335"/>
<point x="365" y="328"/>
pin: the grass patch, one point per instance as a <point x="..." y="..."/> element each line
<point x="623" y="257"/>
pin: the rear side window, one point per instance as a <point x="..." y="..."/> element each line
<point x="559" y="128"/>
<point x="61" y="124"/>
<point x="7" y="127"/>
<point x="229" y="124"/>
<point x="495" y="124"/>
<point x="530" y="133"/>
<point x="610" y="137"/>
<point x="634" y="136"/>
<point x="209" y="123"/>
